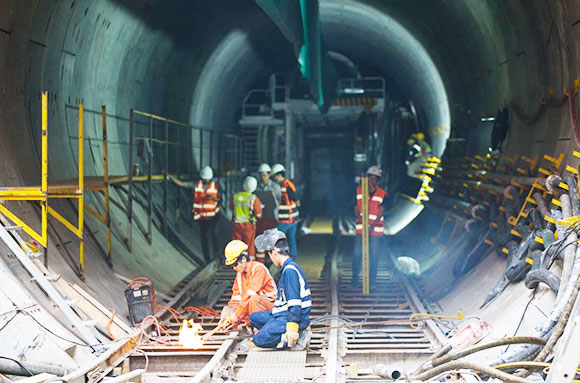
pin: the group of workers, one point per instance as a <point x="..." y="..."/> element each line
<point x="279" y="313"/>
<point x="271" y="202"/>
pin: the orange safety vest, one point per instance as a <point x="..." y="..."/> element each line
<point x="257" y="281"/>
<point x="203" y="208"/>
<point x="288" y="211"/>
<point x="375" y="202"/>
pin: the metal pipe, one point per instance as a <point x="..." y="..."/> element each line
<point x="387" y="372"/>
<point x="10" y="367"/>
<point x="150" y="185"/>
<point x="129" y="235"/>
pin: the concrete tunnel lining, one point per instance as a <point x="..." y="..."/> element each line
<point x="113" y="54"/>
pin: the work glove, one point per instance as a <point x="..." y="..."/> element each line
<point x="291" y="334"/>
<point x="228" y="317"/>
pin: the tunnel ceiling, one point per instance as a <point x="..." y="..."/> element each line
<point x="197" y="59"/>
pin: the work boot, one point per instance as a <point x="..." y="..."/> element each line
<point x="303" y="339"/>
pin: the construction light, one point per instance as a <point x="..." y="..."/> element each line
<point x="353" y="91"/>
<point x="487" y="119"/>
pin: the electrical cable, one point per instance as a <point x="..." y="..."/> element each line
<point x="523" y="315"/>
<point x="19" y="364"/>
<point x="92" y="346"/>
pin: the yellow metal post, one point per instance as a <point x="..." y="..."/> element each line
<point x="106" y="177"/>
<point x="365" y="235"/>
<point x="44" y="170"/>
<point x="81" y="187"/>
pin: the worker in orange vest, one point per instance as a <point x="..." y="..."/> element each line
<point x="247" y="210"/>
<point x="253" y="290"/>
<point x="205" y="208"/>
<point x="288" y="209"/>
<point x="377" y="197"/>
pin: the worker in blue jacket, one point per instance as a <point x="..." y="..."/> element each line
<point x="287" y="326"/>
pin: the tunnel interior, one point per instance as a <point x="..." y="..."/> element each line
<point x="448" y="68"/>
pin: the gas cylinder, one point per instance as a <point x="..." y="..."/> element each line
<point x="470" y="334"/>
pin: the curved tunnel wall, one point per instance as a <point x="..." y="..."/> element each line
<point x="167" y="57"/>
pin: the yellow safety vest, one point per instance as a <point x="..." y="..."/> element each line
<point x="243" y="207"/>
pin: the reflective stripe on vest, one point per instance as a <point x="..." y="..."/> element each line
<point x="375" y="202"/>
<point x="287" y="211"/>
<point x="243" y="207"/>
<point x="202" y="207"/>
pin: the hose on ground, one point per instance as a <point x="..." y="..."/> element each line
<point x="557" y="331"/>
<point x="480" y="347"/>
<point x="534" y="277"/>
<point x="493" y="372"/>
<point x="525" y="351"/>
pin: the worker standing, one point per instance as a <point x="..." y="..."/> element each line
<point x="205" y="208"/>
<point x="247" y="210"/>
<point x="288" y="210"/>
<point x="377" y="198"/>
<point x="269" y="193"/>
<point x="253" y="289"/>
<point x="287" y="325"/>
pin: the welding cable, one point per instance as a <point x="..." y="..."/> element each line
<point x="145" y="356"/>
<point x="459" y="364"/>
<point x="494" y="343"/>
<point x="158" y="328"/>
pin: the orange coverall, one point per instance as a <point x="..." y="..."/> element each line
<point x="253" y="291"/>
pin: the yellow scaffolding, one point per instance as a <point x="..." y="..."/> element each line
<point x="72" y="189"/>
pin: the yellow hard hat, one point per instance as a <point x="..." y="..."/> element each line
<point x="233" y="250"/>
<point x="420" y="136"/>
<point x="410" y="142"/>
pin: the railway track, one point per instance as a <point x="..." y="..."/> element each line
<point x="334" y="355"/>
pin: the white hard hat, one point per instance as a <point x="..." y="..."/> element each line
<point x="374" y="171"/>
<point x="250" y="184"/>
<point x="206" y="173"/>
<point x="278" y="168"/>
<point x="264" y="168"/>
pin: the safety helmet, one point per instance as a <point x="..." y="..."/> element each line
<point x="267" y="241"/>
<point x="278" y="168"/>
<point x="250" y="184"/>
<point x="206" y="173"/>
<point x="410" y="142"/>
<point x="420" y="136"/>
<point x="233" y="251"/>
<point x="264" y="168"/>
<point x="375" y="171"/>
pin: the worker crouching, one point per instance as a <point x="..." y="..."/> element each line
<point x="287" y="325"/>
<point x="247" y="210"/>
<point x="253" y="289"/>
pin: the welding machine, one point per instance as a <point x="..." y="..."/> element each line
<point x="140" y="296"/>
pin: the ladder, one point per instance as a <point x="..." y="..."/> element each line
<point x="11" y="237"/>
